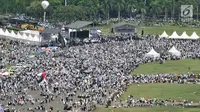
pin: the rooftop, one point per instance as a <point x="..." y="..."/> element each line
<point x="79" y="24"/>
<point x="122" y="24"/>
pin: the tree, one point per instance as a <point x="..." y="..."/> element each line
<point x="141" y="7"/>
<point x="165" y="4"/>
<point x="131" y="7"/>
<point x="92" y="9"/>
<point x="119" y="6"/>
<point x="69" y="13"/>
<point x="107" y="5"/>
<point x="35" y="9"/>
<point x="155" y="8"/>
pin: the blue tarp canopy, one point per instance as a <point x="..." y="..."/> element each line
<point x="52" y="47"/>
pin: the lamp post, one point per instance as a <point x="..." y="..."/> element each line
<point x="197" y="11"/>
<point x="65" y="2"/>
<point x="45" y="4"/>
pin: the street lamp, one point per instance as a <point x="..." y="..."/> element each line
<point x="65" y="2"/>
<point x="45" y="4"/>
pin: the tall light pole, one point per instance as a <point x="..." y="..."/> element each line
<point x="65" y="2"/>
<point x="45" y="4"/>
<point x="197" y="11"/>
<point x="145" y="2"/>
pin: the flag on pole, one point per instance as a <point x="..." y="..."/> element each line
<point x="43" y="77"/>
<point x="43" y="81"/>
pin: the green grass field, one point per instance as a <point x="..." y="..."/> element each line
<point x="158" y="30"/>
<point x="179" y="66"/>
<point x="160" y="91"/>
<point x="169" y="30"/>
<point x="164" y="91"/>
<point x="148" y="110"/>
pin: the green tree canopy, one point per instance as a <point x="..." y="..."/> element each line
<point x="93" y="9"/>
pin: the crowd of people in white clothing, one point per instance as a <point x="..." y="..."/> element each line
<point x="81" y="77"/>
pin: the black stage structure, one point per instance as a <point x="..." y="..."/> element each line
<point x="80" y="32"/>
<point x="124" y="27"/>
<point x="47" y="36"/>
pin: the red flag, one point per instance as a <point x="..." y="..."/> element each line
<point x="44" y="75"/>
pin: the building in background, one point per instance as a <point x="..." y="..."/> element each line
<point x="124" y="27"/>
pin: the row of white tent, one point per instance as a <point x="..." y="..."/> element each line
<point x="184" y="35"/>
<point x="20" y="35"/>
<point x="154" y="54"/>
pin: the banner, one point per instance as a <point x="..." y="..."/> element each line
<point x="187" y="11"/>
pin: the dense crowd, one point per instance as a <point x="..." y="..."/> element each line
<point x="79" y="77"/>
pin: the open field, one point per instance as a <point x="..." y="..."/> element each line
<point x="179" y="66"/>
<point x="157" y="30"/>
<point x="160" y="91"/>
<point x="148" y="110"/>
<point x="164" y="91"/>
<point x="169" y="30"/>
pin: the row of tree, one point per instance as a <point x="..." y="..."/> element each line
<point x="95" y="9"/>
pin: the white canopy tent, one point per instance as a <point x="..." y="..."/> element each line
<point x="31" y="32"/>
<point x="194" y="36"/>
<point x="174" y="35"/>
<point x="12" y="34"/>
<point x="6" y="33"/>
<point x="184" y="36"/>
<point x="29" y="37"/>
<point x="18" y="35"/>
<point x="36" y="38"/>
<point x="24" y="36"/>
<point x="152" y="54"/>
<point x="164" y="35"/>
<point x="174" y="51"/>
<point x="1" y="32"/>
